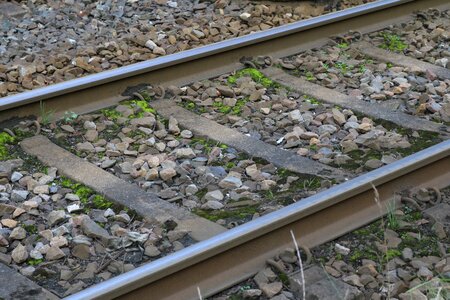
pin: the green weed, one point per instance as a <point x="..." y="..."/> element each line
<point x="69" y="116"/>
<point x="111" y="114"/>
<point x="34" y="262"/>
<point x="311" y="100"/>
<point x="5" y="139"/>
<point x="342" y="45"/>
<point x="143" y="105"/>
<point x="87" y="196"/>
<point x="343" y="67"/>
<point x="46" y="116"/>
<point x="31" y="229"/>
<point x="256" y="75"/>
<point x="310" y="76"/>
<point x="393" y="42"/>
<point x="392" y="220"/>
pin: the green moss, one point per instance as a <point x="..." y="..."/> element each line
<point x="393" y="42"/>
<point x="22" y="134"/>
<point x="83" y="192"/>
<point x="201" y="193"/>
<point x="311" y="100"/>
<point x="342" y="45"/>
<point x="220" y="107"/>
<point x="392" y="253"/>
<point x="100" y="202"/>
<point x="34" y="262"/>
<point x="30" y="163"/>
<point x="87" y="196"/>
<point x="313" y="147"/>
<point x="241" y="213"/>
<point x="111" y="113"/>
<point x="5" y="139"/>
<point x="425" y="246"/>
<point x="310" y="76"/>
<point x="296" y="188"/>
<point x="237" y="108"/>
<point x="69" y="116"/>
<point x="269" y="195"/>
<point x="343" y="67"/>
<point x="359" y="157"/>
<point x="189" y="105"/>
<point x="256" y="75"/>
<point x="230" y="165"/>
<point x="207" y="144"/>
<point x="31" y="229"/>
<point x="425" y="140"/>
<point x="284" y="279"/>
<point x="143" y="105"/>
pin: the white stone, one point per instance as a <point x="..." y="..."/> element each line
<point x="150" y="44"/>
<point x="245" y="16"/>
<point x="214" y="196"/>
<point x="341" y="249"/>
<point x="16" y="176"/>
<point x="214" y="205"/>
<point x="73" y="208"/>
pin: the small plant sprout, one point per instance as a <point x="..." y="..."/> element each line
<point x="70" y="116"/>
<point x="46" y="116"/>
<point x="342" y="45"/>
<point x="393" y="42"/>
<point x="310" y="76"/>
<point x="392" y="221"/>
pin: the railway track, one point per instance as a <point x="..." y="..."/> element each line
<point x="216" y="258"/>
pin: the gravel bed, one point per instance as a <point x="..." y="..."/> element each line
<point x="66" y="237"/>
<point x="425" y="38"/>
<point x="254" y="105"/>
<point x="403" y="256"/>
<point x="350" y="72"/>
<point x="211" y="179"/>
<point x="55" y="41"/>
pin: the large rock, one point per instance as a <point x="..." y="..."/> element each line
<point x="55" y="217"/>
<point x="185" y="153"/>
<point x="214" y="196"/>
<point x="145" y="121"/>
<point x="321" y="286"/>
<point x="230" y="182"/>
<point x="6" y="167"/>
<point x="93" y="230"/>
<point x="167" y="173"/>
<point x="19" y="254"/>
<point x="54" y="253"/>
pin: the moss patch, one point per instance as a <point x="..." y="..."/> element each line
<point x="87" y="196"/>
<point x="143" y="105"/>
<point x="206" y="144"/>
<point x="34" y="262"/>
<point x="5" y="140"/>
<point x="256" y="75"/>
<point x="111" y="114"/>
<point x="392" y="42"/>
<point x="241" y="213"/>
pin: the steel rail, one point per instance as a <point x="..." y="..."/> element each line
<point x="227" y="258"/>
<point x="230" y="257"/>
<point x="104" y="89"/>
